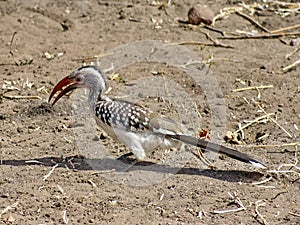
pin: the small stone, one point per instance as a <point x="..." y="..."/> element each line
<point x="200" y="14"/>
<point x="11" y="219"/>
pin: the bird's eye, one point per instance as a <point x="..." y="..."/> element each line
<point x="78" y="79"/>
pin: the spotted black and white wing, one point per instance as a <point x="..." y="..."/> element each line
<point x="123" y="115"/>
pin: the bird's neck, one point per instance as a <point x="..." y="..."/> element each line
<point x="94" y="97"/>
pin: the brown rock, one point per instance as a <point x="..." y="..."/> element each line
<point x="200" y="14"/>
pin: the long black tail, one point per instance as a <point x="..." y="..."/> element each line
<point x="206" y="145"/>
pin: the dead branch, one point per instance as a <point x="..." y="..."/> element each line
<point x="258" y="204"/>
<point x="22" y="97"/>
<point x="272" y="146"/>
<point x="237" y="201"/>
<point x="203" y="43"/>
<point x="288" y="56"/>
<point x="253" y="88"/>
<point x="213" y="40"/>
<point x="9" y="208"/>
<point x="274" y="121"/>
<point x="285" y="29"/>
<point x="11" y="43"/>
<point x="50" y="172"/>
<point x="291" y="66"/>
<point x="294" y="214"/>
<point x="254" y="121"/>
<point x="260" y="36"/>
<point x="263" y="181"/>
<point x="252" y="21"/>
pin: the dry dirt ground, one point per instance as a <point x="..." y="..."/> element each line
<point x="46" y="176"/>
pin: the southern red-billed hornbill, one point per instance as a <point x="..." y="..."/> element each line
<point x="135" y="126"/>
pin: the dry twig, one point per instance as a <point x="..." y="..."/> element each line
<point x="252" y="21"/>
<point x="50" y="172"/>
<point x="294" y="214"/>
<point x="237" y="201"/>
<point x="65" y="218"/>
<point x="214" y="29"/>
<point x="103" y="172"/>
<point x="11" y="43"/>
<point x="263" y="181"/>
<point x="290" y="165"/>
<point x="288" y="56"/>
<point x="285" y="29"/>
<point x="9" y="208"/>
<point x="92" y="183"/>
<point x="22" y="97"/>
<point x="254" y="121"/>
<point x="261" y="36"/>
<point x="252" y="88"/>
<point x="272" y="146"/>
<point x="33" y="162"/>
<point x="202" y="43"/>
<point x="291" y="66"/>
<point x="215" y="41"/>
<point x="274" y="121"/>
<point x="258" y="204"/>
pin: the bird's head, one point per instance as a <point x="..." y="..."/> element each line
<point x="89" y="77"/>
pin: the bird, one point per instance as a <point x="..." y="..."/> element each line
<point x="134" y="125"/>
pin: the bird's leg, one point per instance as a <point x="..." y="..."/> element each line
<point x="136" y="161"/>
<point x="204" y="134"/>
<point x="206" y="161"/>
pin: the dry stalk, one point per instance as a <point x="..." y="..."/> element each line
<point x="274" y="121"/>
<point x="252" y="21"/>
<point x="291" y="66"/>
<point x="213" y="40"/>
<point x="202" y="43"/>
<point x="285" y="28"/>
<point x="214" y="29"/>
<point x="272" y="146"/>
<point x="237" y="201"/>
<point x="33" y="162"/>
<point x="252" y="88"/>
<point x="60" y="189"/>
<point x="103" y="172"/>
<point x="294" y="214"/>
<point x="11" y="43"/>
<point x="50" y="172"/>
<point x="258" y="204"/>
<point x="65" y="218"/>
<point x="225" y="12"/>
<point x="290" y="165"/>
<point x="92" y="183"/>
<point x="22" y="97"/>
<point x="9" y="208"/>
<point x="288" y="56"/>
<point x="266" y="186"/>
<point x="260" y="36"/>
<point x="254" y="121"/>
<point x="263" y="181"/>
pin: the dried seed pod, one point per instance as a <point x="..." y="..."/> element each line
<point x="200" y="14"/>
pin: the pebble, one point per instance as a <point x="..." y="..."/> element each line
<point x="200" y="14"/>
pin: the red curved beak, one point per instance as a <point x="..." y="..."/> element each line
<point x="63" y="87"/>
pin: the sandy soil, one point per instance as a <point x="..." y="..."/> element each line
<point x="42" y="41"/>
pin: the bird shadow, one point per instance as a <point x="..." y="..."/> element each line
<point x="78" y="162"/>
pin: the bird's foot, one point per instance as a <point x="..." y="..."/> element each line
<point x="206" y="161"/>
<point x="125" y="156"/>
